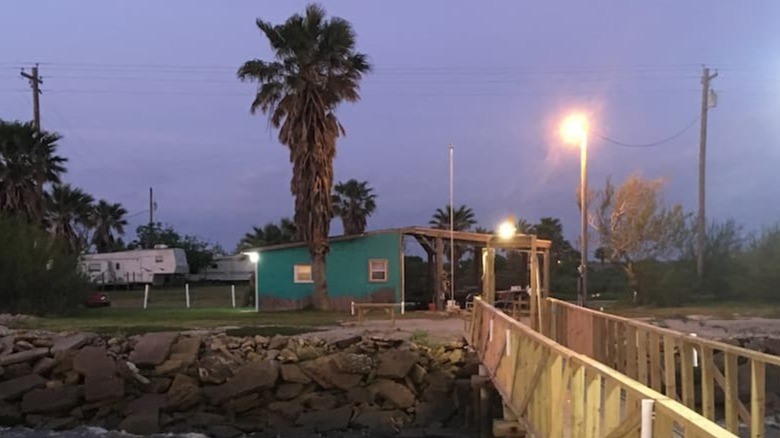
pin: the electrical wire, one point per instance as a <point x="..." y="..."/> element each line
<point x="651" y="144"/>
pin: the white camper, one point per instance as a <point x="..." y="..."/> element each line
<point x="156" y="266"/>
<point x="231" y="268"/>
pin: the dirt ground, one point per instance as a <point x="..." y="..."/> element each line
<point x="719" y="328"/>
<point x="434" y="330"/>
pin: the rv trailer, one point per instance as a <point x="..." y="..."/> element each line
<point x="156" y="266"/>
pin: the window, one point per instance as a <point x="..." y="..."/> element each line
<point x="302" y="274"/>
<point x="158" y="259"/>
<point x="94" y="267"/>
<point x="377" y="270"/>
<point x="117" y="265"/>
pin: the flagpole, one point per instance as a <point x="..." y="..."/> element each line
<point x="452" y="227"/>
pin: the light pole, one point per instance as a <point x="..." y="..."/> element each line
<point x="254" y="257"/>
<point x="575" y="131"/>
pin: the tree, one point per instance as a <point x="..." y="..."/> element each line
<point x="28" y="162"/>
<point x="550" y="228"/>
<point x="634" y="225"/>
<point x="269" y="234"/>
<point x="463" y="220"/>
<point x="107" y="219"/>
<point x="524" y="227"/>
<point x="353" y="202"/>
<point x="199" y="252"/>
<point x="601" y="254"/>
<point x="315" y="69"/>
<point x="69" y="215"/>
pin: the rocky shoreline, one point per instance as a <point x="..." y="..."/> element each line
<point x="225" y="386"/>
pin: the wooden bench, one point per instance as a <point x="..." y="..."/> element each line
<point x="361" y="309"/>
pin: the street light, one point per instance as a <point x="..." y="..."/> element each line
<point x="254" y="257"/>
<point x="575" y="131"/>
<point x="507" y="230"/>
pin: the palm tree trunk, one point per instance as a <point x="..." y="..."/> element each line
<point x="321" y="301"/>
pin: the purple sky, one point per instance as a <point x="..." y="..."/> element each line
<point x="145" y="94"/>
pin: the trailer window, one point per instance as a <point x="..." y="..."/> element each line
<point x="302" y="274"/>
<point x="377" y="270"/>
<point x="94" y="267"/>
<point x="158" y="259"/>
<point x="117" y="265"/>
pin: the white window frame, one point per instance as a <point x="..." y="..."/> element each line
<point x="371" y="270"/>
<point x="296" y="273"/>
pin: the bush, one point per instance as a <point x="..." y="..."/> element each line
<point x="37" y="275"/>
<point x="761" y="267"/>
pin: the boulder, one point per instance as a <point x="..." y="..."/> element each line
<point x="130" y="372"/>
<point x="243" y="404"/>
<point x="183" y="394"/>
<point x="170" y="366"/>
<point x="394" y="393"/>
<point x="396" y="364"/>
<point x="158" y="385"/>
<point x="144" y="422"/>
<point x="10" y="415"/>
<point x="353" y="363"/>
<point x="18" y="370"/>
<point x="186" y="349"/>
<point x="224" y="431"/>
<point x="94" y="362"/>
<point x="71" y="342"/>
<point x="292" y="373"/>
<point x="320" y="401"/>
<point x="99" y="388"/>
<point x="288" y="391"/>
<point x="23" y="356"/>
<point x="326" y="421"/>
<point x="250" y="378"/>
<point x="287" y="409"/>
<point x="15" y="388"/>
<point x="44" y="366"/>
<point x="347" y="342"/>
<point x="359" y="395"/>
<point x="324" y="371"/>
<point x="214" y="370"/>
<point x="278" y="342"/>
<point x="418" y="374"/>
<point x="43" y="342"/>
<point x="204" y="419"/>
<point x="380" y="422"/>
<point x="439" y="411"/>
<point x="152" y="349"/>
<point x="42" y="401"/>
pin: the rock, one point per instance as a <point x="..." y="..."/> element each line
<point x="43" y="342"/>
<point x="54" y="384"/>
<point x="72" y="378"/>
<point x="320" y="401"/>
<point x="381" y="422"/>
<point x="213" y="369"/>
<point x="103" y="388"/>
<point x="292" y="373"/>
<point x="418" y="374"/>
<point x="278" y="342"/>
<point x="158" y="385"/>
<point x="288" y="409"/>
<point x="324" y="371"/>
<point x="71" y="342"/>
<point x="15" y="388"/>
<point x="94" y="362"/>
<point x="347" y="342"/>
<point x="394" y="393"/>
<point x="353" y="363"/>
<point x="439" y="384"/>
<point x="261" y="340"/>
<point x="44" y="366"/>
<point x="170" y="366"/>
<point x="359" y="395"/>
<point x="24" y="345"/>
<point x="204" y="419"/>
<point x="287" y="356"/>
<point x="152" y="349"/>
<point x="326" y="421"/>
<point x="186" y="349"/>
<point x="438" y="411"/>
<point x="2" y="371"/>
<point x="10" y="415"/>
<point x="243" y="404"/>
<point x="144" y="422"/>
<point x="23" y="356"/>
<point x="17" y="370"/>
<point x="456" y="356"/>
<point x="288" y="391"/>
<point x="224" y="431"/>
<point x="396" y="364"/>
<point x="129" y="371"/>
<point x="272" y="354"/>
<point x="250" y="378"/>
<point x="41" y="401"/>
<point x="183" y="394"/>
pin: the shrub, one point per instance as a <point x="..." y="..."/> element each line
<point x="37" y="275"/>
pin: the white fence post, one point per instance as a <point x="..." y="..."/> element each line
<point x="233" y="294"/>
<point x="646" y="430"/>
<point x="146" y="296"/>
<point x="187" y="293"/>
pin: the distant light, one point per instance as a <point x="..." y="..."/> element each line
<point x="254" y="256"/>
<point x="574" y="128"/>
<point x="507" y="230"/>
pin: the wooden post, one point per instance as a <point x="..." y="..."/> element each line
<point x="489" y="275"/>
<point x="732" y="393"/>
<point x="439" y="272"/>
<point x="546" y="273"/>
<point x="757" y="398"/>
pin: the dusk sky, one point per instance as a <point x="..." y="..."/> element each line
<point x="145" y="94"/>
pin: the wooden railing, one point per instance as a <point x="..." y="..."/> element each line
<point x="553" y="391"/>
<point x="697" y="372"/>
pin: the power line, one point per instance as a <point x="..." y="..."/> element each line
<point x="651" y="144"/>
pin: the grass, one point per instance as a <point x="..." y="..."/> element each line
<point x="716" y="309"/>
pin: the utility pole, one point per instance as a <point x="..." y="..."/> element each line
<point x="35" y="82"/>
<point x="701" y="223"/>
<point x="151" y="207"/>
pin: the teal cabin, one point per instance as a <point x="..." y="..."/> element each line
<point x="361" y="268"/>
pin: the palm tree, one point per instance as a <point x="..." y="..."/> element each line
<point x="69" y="215"/>
<point x="269" y="234"/>
<point x="353" y="202"/>
<point x="28" y="162"/>
<point x="107" y="219"/>
<point x="463" y="220"/>
<point x="315" y="69"/>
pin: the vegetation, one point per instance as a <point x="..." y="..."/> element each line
<point x="315" y="69"/>
<point x="69" y="216"/>
<point x="354" y="202"/>
<point x="269" y="234"/>
<point x="38" y="273"/>
<point x="109" y="222"/>
<point x="463" y="219"/>
<point x="199" y="252"/>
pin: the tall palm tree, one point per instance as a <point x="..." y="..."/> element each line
<point x="315" y="69"/>
<point x="28" y="162"/>
<point x="353" y="202"/>
<point x="107" y="219"/>
<point x="463" y="220"/>
<point x="69" y="215"/>
<point x="269" y="234"/>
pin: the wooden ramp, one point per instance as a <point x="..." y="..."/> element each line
<point x="549" y="390"/>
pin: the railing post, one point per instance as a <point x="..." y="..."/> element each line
<point x="646" y="430"/>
